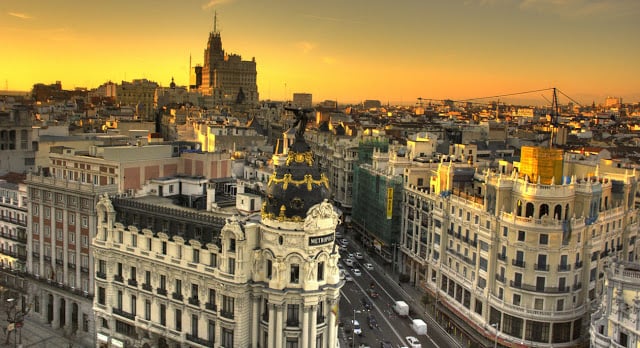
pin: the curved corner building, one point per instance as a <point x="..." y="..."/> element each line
<point x="206" y="280"/>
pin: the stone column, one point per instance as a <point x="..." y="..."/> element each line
<point x="279" y="325"/>
<point x="68" y="312"/>
<point x="272" y="326"/>
<point x="56" y="312"/>
<point x="313" y="326"/>
<point x="305" y="326"/>
<point x="332" y="335"/>
<point x="254" y="321"/>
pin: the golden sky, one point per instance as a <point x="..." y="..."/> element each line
<point x="393" y="51"/>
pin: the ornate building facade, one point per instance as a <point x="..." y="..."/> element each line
<point x="616" y="323"/>
<point x="511" y="259"/>
<point x="169" y="276"/>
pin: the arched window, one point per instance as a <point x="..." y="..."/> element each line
<point x="544" y="210"/>
<point x="557" y="212"/>
<point x="519" y="208"/>
<point x="529" y="210"/>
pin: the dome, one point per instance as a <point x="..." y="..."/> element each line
<point x="295" y="186"/>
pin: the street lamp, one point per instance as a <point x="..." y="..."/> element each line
<point x="353" y="327"/>
<point x="15" y="317"/>
<point x="497" y="327"/>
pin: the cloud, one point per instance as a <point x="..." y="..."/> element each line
<point x="19" y="15"/>
<point x="213" y="3"/>
<point x="306" y="46"/>
<point x="329" y="60"/>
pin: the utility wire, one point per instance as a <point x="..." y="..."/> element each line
<point x="508" y="95"/>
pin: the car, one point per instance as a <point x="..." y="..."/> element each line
<point x="348" y="262"/>
<point x="372" y="293"/>
<point x="368" y="266"/>
<point x="359" y="256"/>
<point x="351" y="256"/>
<point x="342" y="248"/>
<point x="356" y="327"/>
<point x="366" y="303"/>
<point x="344" y="241"/>
<point x="348" y="278"/>
<point x="339" y="234"/>
<point x="356" y="272"/>
<point x="413" y="342"/>
<point x="386" y="344"/>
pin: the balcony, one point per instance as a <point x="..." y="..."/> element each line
<point x="535" y="288"/>
<point x="564" y="268"/>
<point x="59" y="262"/>
<point x="161" y="291"/>
<point x="211" y="306"/>
<point x="47" y="258"/>
<point x="147" y="287"/>
<point x="320" y="319"/>
<point x="118" y="278"/>
<point x="84" y="269"/>
<point x="518" y="263"/>
<point x="577" y="286"/>
<point x="200" y="341"/>
<point x="502" y="257"/>
<point x="35" y="254"/>
<point x="541" y="267"/>
<point x="101" y="275"/>
<point x="293" y="323"/>
<point x="177" y="296"/>
<point x="123" y="314"/>
<point x="226" y="314"/>
<point x="194" y="301"/>
<point x="71" y="265"/>
<point x="500" y="278"/>
<point x="578" y="265"/>
<point x="132" y="282"/>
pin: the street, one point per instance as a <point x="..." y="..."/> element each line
<point x="388" y="326"/>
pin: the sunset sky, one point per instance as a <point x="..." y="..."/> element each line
<point x="345" y="50"/>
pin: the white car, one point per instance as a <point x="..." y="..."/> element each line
<point x="356" y="327"/>
<point x="348" y="277"/>
<point x="413" y="342"/>
<point x="356" y="272"/>
<point x="348" y="262"/>
<point x="359" y="256"/>
<point x="368" y="266"/>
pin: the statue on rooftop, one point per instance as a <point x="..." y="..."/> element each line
<point x="301" y="120"/>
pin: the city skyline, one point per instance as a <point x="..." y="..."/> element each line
<point x="340" y="51"/>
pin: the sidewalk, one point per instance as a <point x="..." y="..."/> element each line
<point x="35" y="334"/>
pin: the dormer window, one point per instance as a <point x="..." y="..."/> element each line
<point x="232" y="245"/>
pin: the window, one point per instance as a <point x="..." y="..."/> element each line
<point x="132" y="273"/>
<point x="320" y="271"/>
<point x="85" y="240"/>
<point x="47" y="213"/>
<point x="147" y="277"/>
<point x="483" y="264"/>
<point x="163" y="282"/>
<point x="59" y="234"/>
<point x="164" y="248"/>
<point x="293" y="314"/>
<point x="149" y="244"/>
<point x="213" y="260"/>
<point x="72" y="218"/>
<point x="560" y="305"/>
<point x="58" y="215"/>
<point x="163" y="315"/>
<point x="133" y="305"/>
<point x="544" y="239"/>
<point x="196" y="256"/>
<point x="134" y="240"/>
<point x="228" y="304"/>
<point x="232" y="266"/>
<point x="516" y="299"/>
<point x="72" y="238"/>
<point x="539" y="304"/>
<point x="211" y="331"/>
<point x="101" y="296"/>
<point x="178" y="316"/>
<point x="212" y="296"/>
<point x="147" y="309"/>
<point x="178" y="286"/>
<point x="295" y="274"/>
<point x="232" y="244"/>
<point x="194" y="291"/>
<point x="227" y="337"/>
<point x="194" y="325"/>
<point x="269" y="269"/>
<point x="521" y="236"/>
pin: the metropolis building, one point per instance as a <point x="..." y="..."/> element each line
<point x="514" y="255"/>
<point x="170" y="276"/>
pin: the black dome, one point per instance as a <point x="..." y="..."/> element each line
<point x="295" y="186"/>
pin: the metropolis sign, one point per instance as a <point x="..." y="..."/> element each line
<point x="327" y="238"/>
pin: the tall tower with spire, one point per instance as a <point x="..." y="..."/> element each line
<point x="226" y="78"/>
